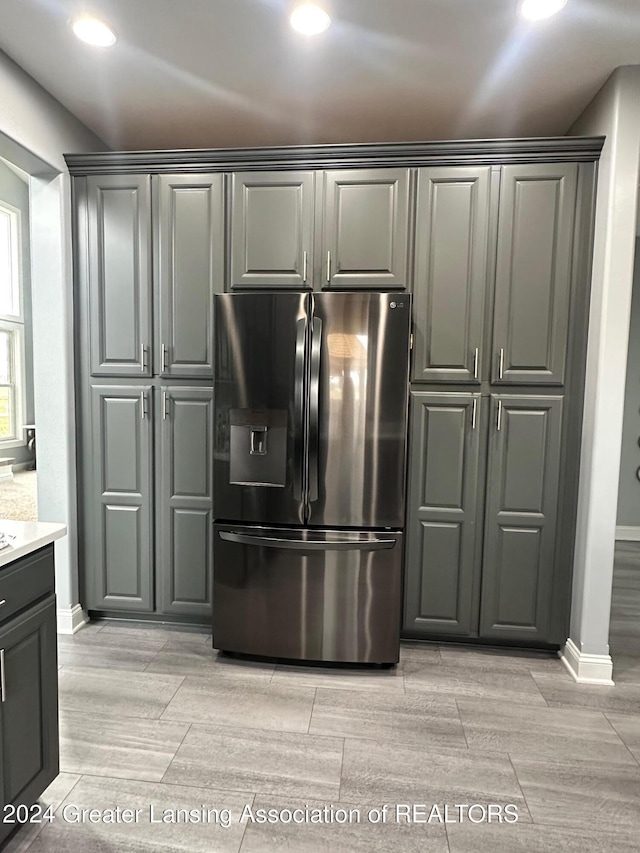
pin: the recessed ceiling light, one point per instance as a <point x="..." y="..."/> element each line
<point x="94" y="32"/>
<point x="535" y="10"/>
<point x="309" y="20"/>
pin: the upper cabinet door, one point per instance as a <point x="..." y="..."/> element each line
<point x="272" y="229"/>
<point x="533" y="273"/>
<point x="451" y="273"/>
<point x="365" y="228"/>
<point x="119" y="275"/>
<point x="191" y="269"/>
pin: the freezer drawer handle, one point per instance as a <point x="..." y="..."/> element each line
<point x="301" y="545"/>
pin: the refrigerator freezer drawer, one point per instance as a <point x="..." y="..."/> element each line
<point x="317" y="595"/>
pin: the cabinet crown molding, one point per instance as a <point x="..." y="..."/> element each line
<point x="457" y="152"/>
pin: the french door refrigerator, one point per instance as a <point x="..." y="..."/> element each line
<point x="311" y="398"/>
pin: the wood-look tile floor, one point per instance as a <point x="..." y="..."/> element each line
<point x="154" y="717"/>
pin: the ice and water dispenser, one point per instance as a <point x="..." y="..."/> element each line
<point x="258" y="447"/>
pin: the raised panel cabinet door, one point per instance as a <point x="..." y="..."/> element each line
<point x="272" y="216"/>
<point x="119" y="273"/>
<point x="365" y="228"/>
<point x="121" y="570"/>
<point x="520" y="517"/>
<point x="533" y="273"/>
<point x="450" y="273"/>
<point x="29" y="707"/>
<point x="185" y="524"/>
<point x="441" y="518"/>
<point x="190" y="231"/>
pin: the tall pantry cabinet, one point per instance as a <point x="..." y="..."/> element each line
<point x="493" y="238"/>
<point x="149" y="256"/>
<point x="500" y="288"/>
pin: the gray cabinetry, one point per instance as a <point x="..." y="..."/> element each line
<point x="450" y="281"/>
<point x="120" y="498"/>
<point x="533" y="273"/>
<point x="442" y="547"/>
<point x="119" y="273"/>
<point x="190" y="240"/>
<point x="272" y="220"/>
<point x="365" y="228"/>
<point x="448" y="559"/>
<point x="521" y="504"/>
<point x="184" y="500"/>
<point x="29" y="682"/>
<point x="346" y="228"/>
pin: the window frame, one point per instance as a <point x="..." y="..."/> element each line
<point x="14" y="325"/>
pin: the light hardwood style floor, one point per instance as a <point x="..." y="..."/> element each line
<point x="154" y="717"/>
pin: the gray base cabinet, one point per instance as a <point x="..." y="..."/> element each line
<point x="151" y="499"/>
<point x="29" y="706"/>
<point x="184" y="529"/>
<point x="461" y="579"/>
<point x="120" y="499"/>
<point x="442" y="546"/>
<point x="520" y="529"/>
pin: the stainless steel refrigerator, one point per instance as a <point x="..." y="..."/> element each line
<point x="311" y="397"/>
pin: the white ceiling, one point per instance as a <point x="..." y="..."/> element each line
<point x="217" y="73"/>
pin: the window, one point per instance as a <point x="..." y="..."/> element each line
<point x="11" y="329"/>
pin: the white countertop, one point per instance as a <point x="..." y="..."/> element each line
<point x="29" y="536"/>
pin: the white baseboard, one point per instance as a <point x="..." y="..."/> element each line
<point x="587" y="669"/>
<point x="628" y="534"/>
<point x="71" y="620"/>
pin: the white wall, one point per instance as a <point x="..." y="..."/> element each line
<point x="629" y="494"/>
<point x="615" y="112"/>
<point x="35" y="131"/>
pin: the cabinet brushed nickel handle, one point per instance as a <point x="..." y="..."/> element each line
<point x="143" y="405"/>
<point x="143" y="358"/>
<point x="474" y="411"/>
<point x="3" y="686"/>
<point x="475" y="364"/>
<point x="164" y="405"/>
<point x="304" y="267"/>
<point x="163" y="354"/>
<point x="329" y="267"/>
<point x="501" y="364"/>
<point x="499" y="422"/>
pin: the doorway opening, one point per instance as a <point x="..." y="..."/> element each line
<point x="18" y="478"/>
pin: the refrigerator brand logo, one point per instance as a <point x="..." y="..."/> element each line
<point x="396" y="305"/>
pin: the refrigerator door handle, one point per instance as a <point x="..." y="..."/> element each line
<point x="314" y="408"/>
<point x="298" y="409"/>
<point x="302" y="545"/>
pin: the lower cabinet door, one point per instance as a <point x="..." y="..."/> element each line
<point x="184" y="522"/>
<point x="441" y="556"/>
<point x="29" y="706"/>
<point x="120" y="501"/>
<point x="520" y="517"/>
